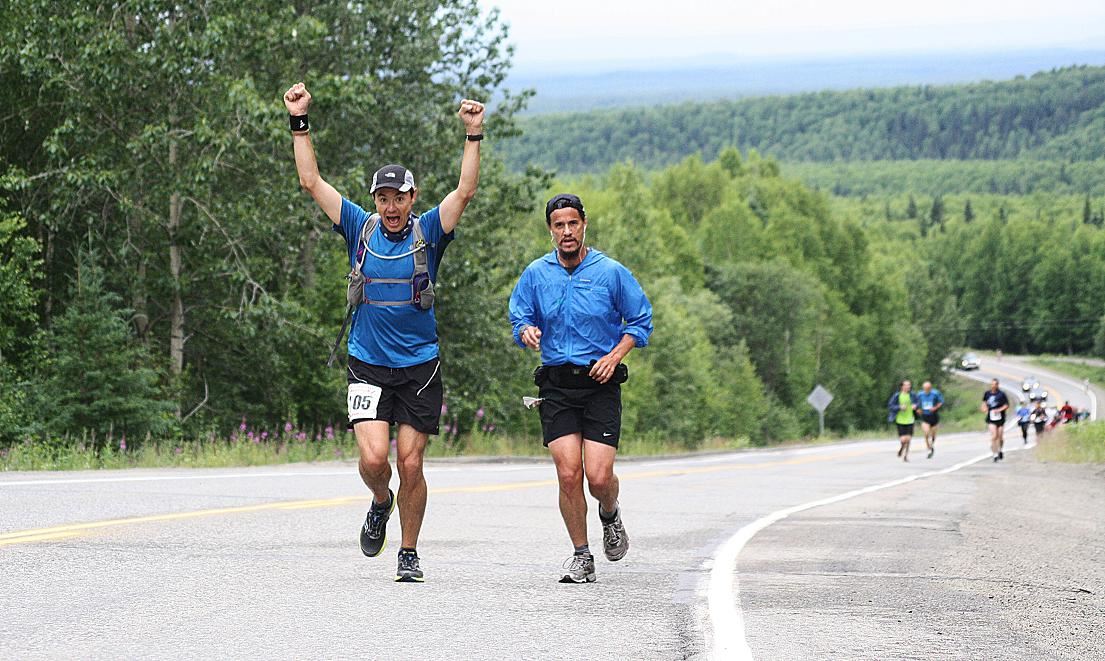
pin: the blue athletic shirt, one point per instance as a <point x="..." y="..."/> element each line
<point x="929" y="400"/>
<point x="582" y="315"/>
<point x="392" y="335"/>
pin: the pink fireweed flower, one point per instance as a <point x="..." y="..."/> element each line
<point x="123" y="443"/>
<point x="301" y="436"/>
<point x="242" y="427"/>
<point x="479" y="413"/>
<point x="329" y="433"/>
<point x="444" y="408"/>
<point x="264" y="435"/>
<point x="287" y="426"/>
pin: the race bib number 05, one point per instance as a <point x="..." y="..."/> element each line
<point x="363" y="400"/>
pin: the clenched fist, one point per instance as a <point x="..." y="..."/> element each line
<point x="471" y="113"/>
<point x="297" y="99"/>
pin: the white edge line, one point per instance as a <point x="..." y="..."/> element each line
<point x="723" y="596"/>
<point x="726" y="619"/>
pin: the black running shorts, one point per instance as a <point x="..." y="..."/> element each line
<point x="932" y="418"/>
<point x="399" y="395"/>
<point x="1000" y="422"/>
<point x="905" y="430"/>
<point x="595" y="412"/>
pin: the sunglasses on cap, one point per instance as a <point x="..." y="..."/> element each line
<point x="564" y="201"/>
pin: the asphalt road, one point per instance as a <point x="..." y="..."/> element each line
<point x="264" y="562"/>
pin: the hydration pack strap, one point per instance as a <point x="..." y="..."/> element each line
<point x="422" y="289"/>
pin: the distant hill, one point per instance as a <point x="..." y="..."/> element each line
<point x="1057" y="115"/>
<point x="725" y="77"/>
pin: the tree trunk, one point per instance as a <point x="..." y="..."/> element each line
<point x="139" y="302"/>
<point x="139" y="298"/>
<point x="48" y="264"/>
<point x="176" y="318"/>
<point x="309" y="267"/>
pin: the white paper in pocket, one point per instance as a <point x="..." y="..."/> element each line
<point x="363" y="400"/>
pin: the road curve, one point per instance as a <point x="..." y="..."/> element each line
<point x="264" y="561"/>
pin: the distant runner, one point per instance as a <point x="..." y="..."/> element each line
<point x="995" y="403"/>
<point x="902" y="406"/>
<point x="1024" y="419"/>
<point x="584" y="312"/>
<point x="1039" y="419"/>
<point x="930" y="401"/>
<point x="1066" y="413"/>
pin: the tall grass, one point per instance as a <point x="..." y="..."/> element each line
<point x="293" y="447"/>
<point x="1081" y="443"/>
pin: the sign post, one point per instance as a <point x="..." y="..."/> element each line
<point x="820" y="400"/>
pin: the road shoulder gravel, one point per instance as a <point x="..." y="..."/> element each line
<point x="996" y="561"/>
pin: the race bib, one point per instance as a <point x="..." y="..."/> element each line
<point x="363" y="400"/>
<point x="995" y="415"/>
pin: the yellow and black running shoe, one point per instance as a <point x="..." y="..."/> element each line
<point x="374" y="532"/>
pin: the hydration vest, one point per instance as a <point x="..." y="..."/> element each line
<point x="421" y="287"/>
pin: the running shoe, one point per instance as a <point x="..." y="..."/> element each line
<point x="996" y="459"/>
<point x="901" y="449"/>
<point x="374" y="532"/>
<point x="932" y="451"/>
<point x="615" y="540"/>
<point x="579" y="569"/>
<point x="1001" y="455"/>
<point x="408" y="571"/>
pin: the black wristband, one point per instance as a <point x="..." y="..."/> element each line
<point x="475" y="137"/>
<point x="299" y="123"/>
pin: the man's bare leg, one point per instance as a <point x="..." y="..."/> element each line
<point x="599" y="469"/>
<point x="410" y="450"/>
<point x="375" y="469"/>
<point x="567" y="454"/>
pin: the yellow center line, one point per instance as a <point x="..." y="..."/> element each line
<point x="76" y="529"/>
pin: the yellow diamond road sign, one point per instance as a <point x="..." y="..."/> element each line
<point x="820" y="398"/>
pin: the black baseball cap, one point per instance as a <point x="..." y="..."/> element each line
<point x="564" y="201"/>
<point x="392" y="176"/>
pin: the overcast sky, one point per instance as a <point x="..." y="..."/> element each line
<point x="559" y="32"/>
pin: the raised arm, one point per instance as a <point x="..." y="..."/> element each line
<point x="471" y="113"/>
<point x="297" y="100"/>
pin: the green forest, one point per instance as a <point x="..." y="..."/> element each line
<point x="164" y="277"/>
<point x="1057" y="116"/>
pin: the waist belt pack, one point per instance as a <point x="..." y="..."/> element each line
<point x="422" y="288"/>
<point x="575" y="376"/>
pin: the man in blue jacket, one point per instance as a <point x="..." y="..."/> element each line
<point x="584" y="312"/>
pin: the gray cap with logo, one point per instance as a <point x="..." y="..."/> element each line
<point x="392" y="176"/>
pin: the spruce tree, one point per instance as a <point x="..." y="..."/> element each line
<point x="911" y="208"/>
<point x="96" y="379"/>
<point x="936" y="213"/>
